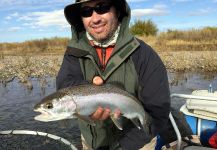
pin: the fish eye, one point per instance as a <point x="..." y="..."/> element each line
<point x="49" y="105"/>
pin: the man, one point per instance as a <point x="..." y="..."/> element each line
<point x="102" y="50"/>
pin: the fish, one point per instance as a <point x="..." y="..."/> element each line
<point x="82" y="100"/>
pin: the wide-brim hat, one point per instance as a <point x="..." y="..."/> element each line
<point x="72" y="11"/>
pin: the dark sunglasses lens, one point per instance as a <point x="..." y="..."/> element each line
<point x="86" y="11"/>
<point x="102" y="8"/>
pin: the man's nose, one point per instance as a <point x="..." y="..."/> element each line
<point x="95" y="17"/>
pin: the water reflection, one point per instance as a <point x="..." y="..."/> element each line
<point x="188" y="82"/>
<point x="17" y="101"/>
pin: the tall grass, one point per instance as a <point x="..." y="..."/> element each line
<point x="172" y="40"/>
<point x="190" y="50"/>
<point x="41" y="46"/>
<point x="204" y="34"/>
<point x="190" y="40"/>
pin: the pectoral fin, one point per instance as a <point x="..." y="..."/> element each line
<point x="67" y="123"/>
<point x="85" y="119"/>
<point x="136" y="123"/>
<point x="117" y="122"/>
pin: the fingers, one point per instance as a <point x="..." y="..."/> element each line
<point x="97" y="80"/>
<point x="100" y="114"/>
<point x="117" y="114"/>
<point x="105" y="114"/>
<point x="97" y="114"/>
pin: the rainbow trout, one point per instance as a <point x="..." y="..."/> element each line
<point x="82" y="100"/>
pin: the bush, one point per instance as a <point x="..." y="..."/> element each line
<point x="142" y="28"/>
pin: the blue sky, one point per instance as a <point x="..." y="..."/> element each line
<point x="23" y="20"/>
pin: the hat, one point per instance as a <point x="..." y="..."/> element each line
<point x="72" y="11"/>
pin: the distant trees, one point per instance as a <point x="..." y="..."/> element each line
<point x="143" y="28"/>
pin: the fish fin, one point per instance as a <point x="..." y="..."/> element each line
<point x="85" y="119"/>
<point x="67" y="123"/>
<point x="117" y="122"/>
<point x="136" y="122"/>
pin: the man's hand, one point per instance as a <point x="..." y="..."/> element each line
<point x="102" y="113"/>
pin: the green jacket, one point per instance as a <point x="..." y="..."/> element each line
<point x="136" y="68"/>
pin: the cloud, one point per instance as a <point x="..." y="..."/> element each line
<point x="31" y="2"/>
<point x="186" y="25"/>
<point x="14" y="29"/>
<point x="10" y="5"/>
<point x="14" y="14"/>
<point x="131" y="1"/>
<point x="9" y="17"/>
<point x="157" y="10"/>
<point x="201" y="12"/>
<point x="180" y="1"/>
<point x="45" y="19"/>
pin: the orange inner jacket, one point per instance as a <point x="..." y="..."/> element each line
<point x="104" y="54"/>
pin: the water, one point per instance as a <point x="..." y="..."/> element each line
<point x="16" y="112"/>
<point x="17" y="101"/>
<point x="186" y="83"/>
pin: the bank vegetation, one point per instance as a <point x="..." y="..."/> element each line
<point x="187" y="50"/>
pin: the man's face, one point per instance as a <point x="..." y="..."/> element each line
<point x="100" y="25"/>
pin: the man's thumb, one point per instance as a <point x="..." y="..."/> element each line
<point x="97" y="80"/>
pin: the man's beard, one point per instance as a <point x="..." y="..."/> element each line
<point x="107" y="38"/>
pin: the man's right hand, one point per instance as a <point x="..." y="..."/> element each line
<point x="100" y="114"/>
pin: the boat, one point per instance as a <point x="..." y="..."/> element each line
<point x="200" y="113"/>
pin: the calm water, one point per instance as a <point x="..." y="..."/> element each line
<point x="17" y="101"/>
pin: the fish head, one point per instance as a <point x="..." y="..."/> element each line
<point x="57" y="106"/>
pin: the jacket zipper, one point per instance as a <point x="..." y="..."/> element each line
<point x="103" y="58"/>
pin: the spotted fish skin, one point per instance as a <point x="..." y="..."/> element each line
<point x="83" y="100"/>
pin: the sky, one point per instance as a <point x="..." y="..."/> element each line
<point x="23" y="20"/>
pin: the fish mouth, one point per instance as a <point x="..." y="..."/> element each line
<point x="44" y="116"/>
<point x="43" y="112"/>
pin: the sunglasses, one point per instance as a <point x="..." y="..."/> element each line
<point x="100" y="8"/>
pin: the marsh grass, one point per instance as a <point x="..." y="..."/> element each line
<point x="191" y="40"/>
<point x="24" y="67"/>
<point x="193" y="50"/>
<point x="172" y="40"/>
<point x="183" y="61"/>
<point x="36" y="47"/>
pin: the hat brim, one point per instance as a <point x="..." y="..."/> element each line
<point x="72" y="11"/>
